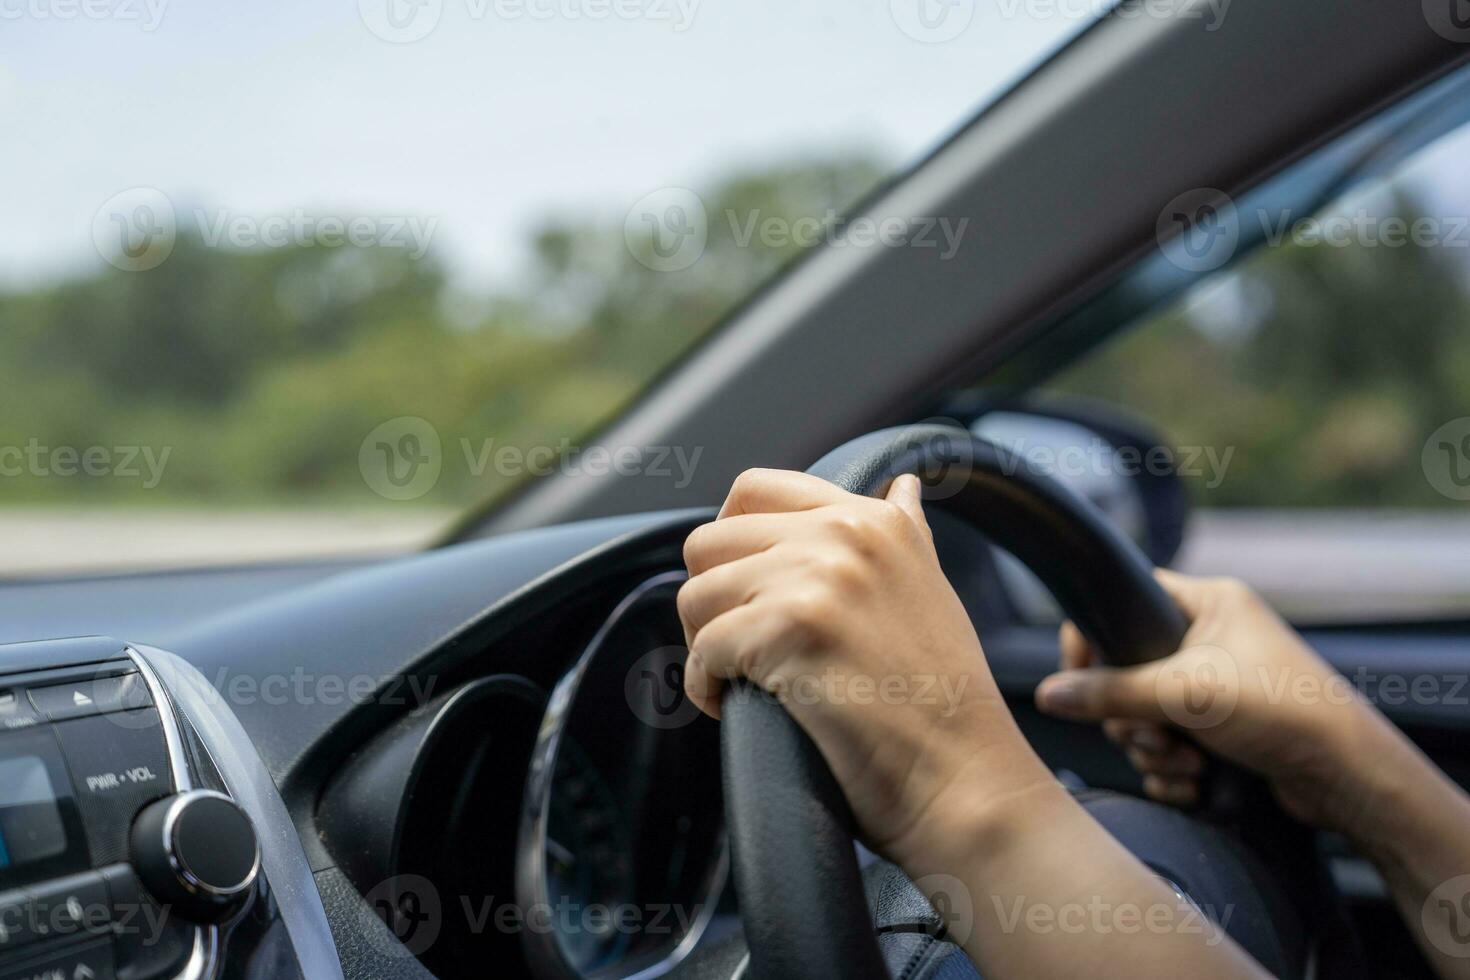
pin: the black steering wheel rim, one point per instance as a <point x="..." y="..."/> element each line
<point x="791" y="831"/>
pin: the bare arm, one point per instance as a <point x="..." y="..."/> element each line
<point x="812" y="591"/>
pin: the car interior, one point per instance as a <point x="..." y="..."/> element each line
<point x="476" y="759"/>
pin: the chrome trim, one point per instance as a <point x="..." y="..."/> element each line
<point x="205" y="955"/>
<point x="531" y="876"/>
<point x="186" y="876"/>
<point x="283" y="860"/>
<point x="172" y="736"/>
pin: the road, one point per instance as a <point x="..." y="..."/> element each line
<point x="1310" y="563"/>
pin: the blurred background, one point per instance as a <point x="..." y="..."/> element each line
<point x="495" y="151"/>
<point x="179" y="288"/>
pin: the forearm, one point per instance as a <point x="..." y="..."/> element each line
<point x="1051" y="894"/>
<point x="1413" y="823"/>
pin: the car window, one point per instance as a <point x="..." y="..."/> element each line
<point x="284" y="279"/>
<point x="1319" y="392"/>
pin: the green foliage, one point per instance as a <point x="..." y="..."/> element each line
<point x="261" y="372"/>
<point x="1325" y="369"/>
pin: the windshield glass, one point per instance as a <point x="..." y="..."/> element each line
<point x="285" y="280"/>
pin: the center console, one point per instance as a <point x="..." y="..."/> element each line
<point x="123" y="854"/>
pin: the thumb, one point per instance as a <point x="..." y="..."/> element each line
<point x="907" y="492"/>
<point x="1096" y="693"/>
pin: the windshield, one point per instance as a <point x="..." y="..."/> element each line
<point x="284" y="280"/>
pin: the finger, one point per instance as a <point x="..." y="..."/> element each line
<point x="1176" y="792"/>
<point x="733" y="538"/>
<point x="701" y="688"/>
<point x="908" y="493"/>
<point x="1119" y="731"/>
<point x="1146" y="735"/>
<point x="1097" y="693"/>
<point x="1189" y="593"/>
<point x="718" y="654"/>
<point x="777" y="492"/>
<point x="1076" y="650"/>
<point x="1181" y="761"/>
<point x="724" y="587"/>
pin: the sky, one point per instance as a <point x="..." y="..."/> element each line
<point x="503" y="112"/>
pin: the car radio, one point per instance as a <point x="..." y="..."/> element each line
<point x="113" y="863"/>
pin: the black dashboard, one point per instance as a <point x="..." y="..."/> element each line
<point x="471" y="760"/>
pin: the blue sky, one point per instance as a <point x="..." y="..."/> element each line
<point x="489" y="122"/>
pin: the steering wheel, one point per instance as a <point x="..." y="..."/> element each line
<point x="796" y="873"/>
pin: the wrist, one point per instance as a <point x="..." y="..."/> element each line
<point x="981" y="813"/>
<point x="1388" y="794"/>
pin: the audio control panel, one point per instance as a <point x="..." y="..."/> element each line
<point x="113" y="864"/>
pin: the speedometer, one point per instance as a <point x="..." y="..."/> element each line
<point x="589" y="862"/>
<point x="622" y="848"/>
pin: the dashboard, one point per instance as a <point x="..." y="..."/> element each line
<point x="475" y="760"/>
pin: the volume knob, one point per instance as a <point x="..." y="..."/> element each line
<point x="196" y="852"/>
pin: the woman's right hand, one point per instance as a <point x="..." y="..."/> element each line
<point x="1244" y="686"/>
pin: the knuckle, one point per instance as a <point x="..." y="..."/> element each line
<point x="693" y="546"/>
<point x="685" y="601"/>
<point x="809" y="616"/>
<point x="844" y="571"/>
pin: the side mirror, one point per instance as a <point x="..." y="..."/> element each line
<point x="1118" y="462"/>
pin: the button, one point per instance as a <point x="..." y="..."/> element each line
<point x="149" y="940"/>
<point x="94" y="696"/>
<point x="15" y="930"/>
<point x="92" y="962"/>
<point x="69" y="907"/>
<point x="16" y="711"/>
<point x="119" y="763"/>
